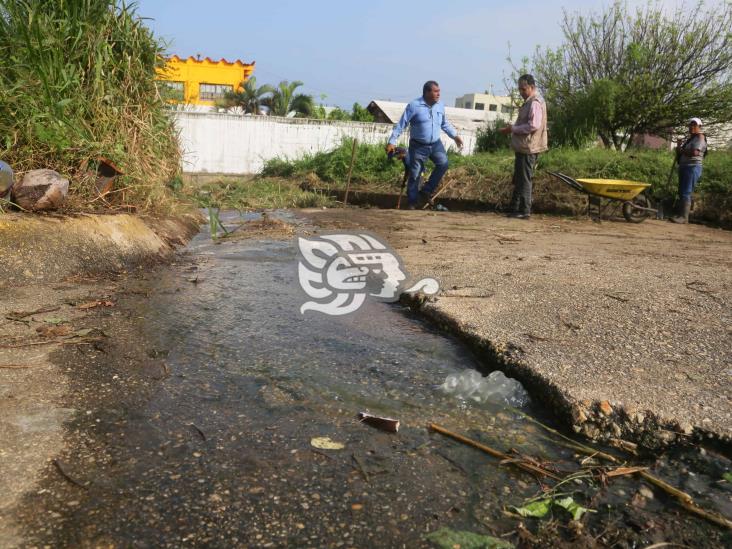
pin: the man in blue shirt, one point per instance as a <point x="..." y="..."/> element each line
<point x="425" y="117"/>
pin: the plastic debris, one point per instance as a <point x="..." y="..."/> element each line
<point x="445" y="538"/>
<point x="387" y="424"/>
<point x="470" y="385"/>
<point x="325" y="443"/>
<point x="6" y="179"/>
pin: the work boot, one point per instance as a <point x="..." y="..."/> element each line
<point x="683" y="216"/>
<point x="424" y="199"/>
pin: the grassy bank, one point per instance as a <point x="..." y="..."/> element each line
<point x="243" y="194"/>
<point x="487" y="176"/>
<point x="78" y="83"/>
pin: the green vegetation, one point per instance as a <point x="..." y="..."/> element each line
<point x="357" y="114"/>
<point x="487" y="176"/>
<point x="284" y="100"/>
<point x="490" y="138"/>
<point x="78" y="83"/>
<point x="281" y="100"/>
<point x="621" y="73"/>
<point x="250" y="194"/>
<point x="250" y="99"/>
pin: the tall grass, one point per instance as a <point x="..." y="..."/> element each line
<point x="487" y="176"/>
<point x="77" y="83"/>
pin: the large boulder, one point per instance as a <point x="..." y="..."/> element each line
<point x="41" y="190"/>
<point x="6" y="179"/>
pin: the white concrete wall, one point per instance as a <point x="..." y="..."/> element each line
<point x="237" y="144"/>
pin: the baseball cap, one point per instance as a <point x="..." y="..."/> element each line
<point x="696" y="121"/>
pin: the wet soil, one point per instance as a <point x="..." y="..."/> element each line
<point x="192" y="414"/>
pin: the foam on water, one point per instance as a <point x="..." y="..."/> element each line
<point x="496" y="387"/>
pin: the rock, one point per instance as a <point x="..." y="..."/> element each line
<point x="639" y="418"/>
<point x="591" y="431"/>
<point x="605" y="408"/>
<point x="580" y="416"/>
<point x="686" y="428"/>
<point x="41" y="190"/>
<point x="646" y="492"/>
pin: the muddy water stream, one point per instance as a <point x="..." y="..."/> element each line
<point x="202" y="416"/>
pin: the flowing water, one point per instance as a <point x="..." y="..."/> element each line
<point x="216" y="449"/>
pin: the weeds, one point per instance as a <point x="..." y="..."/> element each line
<point x="487" y="176"/>
<point x="251" y="194"/>
<point x="77" y="83"/>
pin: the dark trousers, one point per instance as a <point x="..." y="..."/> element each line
<point x="689" y="175"/>
<point x="523" y="171"/>
<point x="418" y="154"/>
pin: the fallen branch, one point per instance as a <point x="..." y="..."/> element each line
<point x="32" y="344"/>
<point x="685" y="500"/>
<point x="506" y="459"/>
<point x="617" y="297"/>
<point x="622" y="471"/>
<point x="17" y="315"/>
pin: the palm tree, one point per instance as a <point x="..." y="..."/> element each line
<point x="249" y="99"/>
<point x="284" y="101"/>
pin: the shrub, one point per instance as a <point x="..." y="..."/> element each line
<point x="78" y="82"/>
<point x="490" y="139"/>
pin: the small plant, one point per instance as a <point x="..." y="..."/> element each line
<point x="214" y="223"/>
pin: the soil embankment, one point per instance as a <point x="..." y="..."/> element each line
<point x="54" y="271"/>
<point x="623" y="329"/>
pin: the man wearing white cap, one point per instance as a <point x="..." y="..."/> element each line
<point x="690" y="153"/>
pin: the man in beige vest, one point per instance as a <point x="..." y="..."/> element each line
<point x="528" y="139"/>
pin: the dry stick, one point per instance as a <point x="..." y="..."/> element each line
<point x="495" y="453"/>
<point x="361" y="467"/>
<point x="29" y="344"/>
<point x="439" y="192"/>
<point x="350" y="171"/>
<point x="20" y="315"/>
<point x="685" y="500"/>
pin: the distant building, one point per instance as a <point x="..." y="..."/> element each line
<point x="470" y="120"/>
<point x="500" y="104"/>
<point x="201" y="82"/>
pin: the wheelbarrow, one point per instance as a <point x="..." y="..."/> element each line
<point x="636" y="206"/>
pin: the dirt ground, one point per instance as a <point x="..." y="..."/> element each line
<point x="44" y="297"/>
<point x="626" y="330"/>
<point x="637" y="316"/>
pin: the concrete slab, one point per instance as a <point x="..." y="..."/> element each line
<point x="626" y="330"/>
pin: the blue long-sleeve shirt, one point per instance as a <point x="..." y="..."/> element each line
<point x="425" y="122"/>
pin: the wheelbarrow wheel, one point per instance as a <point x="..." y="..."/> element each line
<point x="637" y="215"/>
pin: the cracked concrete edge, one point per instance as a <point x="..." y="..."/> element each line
<point x="41" y="248"/>
<point x="600" y="421"/>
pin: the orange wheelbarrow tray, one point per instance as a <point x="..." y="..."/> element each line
<point x="636" y="206"/>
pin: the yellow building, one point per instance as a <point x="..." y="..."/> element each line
<point x="202" y="82"/>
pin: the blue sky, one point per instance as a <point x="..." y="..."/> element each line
<point x="359" y="51"/>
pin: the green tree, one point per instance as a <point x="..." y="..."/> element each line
<point x="249" y="99"/>
<point x="620" y="73"/>
<point x="360" y="114"/>
<point x="339" y="114"/>
<point x="284" y="100"/>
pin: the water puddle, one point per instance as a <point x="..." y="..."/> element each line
<point x="216" y="450"/>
